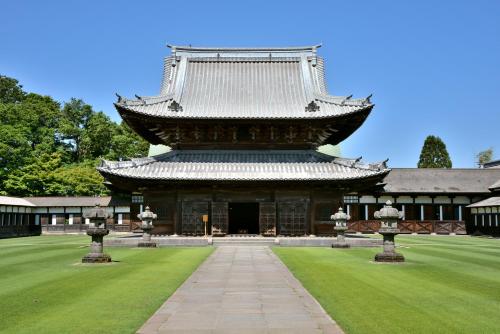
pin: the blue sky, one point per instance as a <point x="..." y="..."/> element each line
<point x="433" y="66"/>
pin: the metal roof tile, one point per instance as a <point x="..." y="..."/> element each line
<point x="244" y="83"/>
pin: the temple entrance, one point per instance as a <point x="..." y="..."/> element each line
<point x="243" y="218"/>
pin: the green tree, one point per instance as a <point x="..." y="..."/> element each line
<point x="28" y="126"/>
<point x="10" y="90"/>
<point x="97" y="137"/>
<point x="49" y="150"/>
<point x="434" y="154"/>
<point x="76" y="115"/>
<point x="484" y="156"/>
<point x="127" y="144"/>
<point x="47" y="175"/>
<point x="81" y="179"/>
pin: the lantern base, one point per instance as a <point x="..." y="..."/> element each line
<point x="389" y="257"/>
<point x="147" y="244"/>
<point x="96" y="258"/>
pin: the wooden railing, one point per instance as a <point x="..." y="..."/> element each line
<point x="412" y="226"/>
<point x="19" y="230"/>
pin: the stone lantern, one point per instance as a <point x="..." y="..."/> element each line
<point x="97" y="230"/>
<point x="389" y="217"/>
<point x="146" y="217"/>
<point x="340" y="219"/>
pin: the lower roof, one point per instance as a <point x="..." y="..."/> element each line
<point x="64" y="201"/>
<point x="14" y="201"/>
<point x="492" y="201"/>
<point x="243" y="165"/>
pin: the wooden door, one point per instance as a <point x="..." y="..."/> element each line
<point x="292" y="217"/>
<point x="192" y="221"/>
<point x="219" y="218"/>
<point x="267" y="218"/>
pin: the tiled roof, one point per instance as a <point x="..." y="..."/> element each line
<point x="492" y="164"/>
<point x="277" y="83"/>
<point x="492" y="201"/>
<point x="243" y="165"/>
<point x="14" y="201"/>
<point x="58" y="201"/>
<point x="437" y="180"/>
<point x="495" y="186"/>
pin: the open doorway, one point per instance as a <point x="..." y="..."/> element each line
<point x="243" y="218"/>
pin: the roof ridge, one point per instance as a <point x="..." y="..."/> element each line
<point x="246" y="49"/>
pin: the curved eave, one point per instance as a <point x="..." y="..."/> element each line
<point x="106" y="173"/>
<point x="344" y="124"/>
<point x="130" y="184"/>
<point x="185" y="116"/>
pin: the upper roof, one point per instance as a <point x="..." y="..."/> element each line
<point x="437" y="180"/>
<point x="243" y="83"/>
<point x="224" y="165"/>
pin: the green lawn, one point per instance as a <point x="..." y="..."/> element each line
<point x="447" y="285"/>
<point x="45" y="289"/>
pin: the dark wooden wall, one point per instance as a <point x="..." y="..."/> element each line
<point x="297" y="211"/>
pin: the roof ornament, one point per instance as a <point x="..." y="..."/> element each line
<point x="356" y="161"/>
<point x="346" y="99"/>
<point x="368" y="99"/>
<point x="175" y="106"/>
<point x="314" y="61"/>
<point x="140" y="99"/>
<point x="120" y="98"/>
<point x="312" y="107"/>
<point x="174" y="57"/>
<point x="383" y="164"/>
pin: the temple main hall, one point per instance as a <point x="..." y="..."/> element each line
<point x="244" y="126"/>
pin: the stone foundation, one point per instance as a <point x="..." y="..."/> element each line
<point x="96" y="258"/>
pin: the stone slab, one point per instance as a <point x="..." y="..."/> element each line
<point x="168" y="241"/>
<point x="241" y="289"/>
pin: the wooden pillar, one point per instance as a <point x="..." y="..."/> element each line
<point x="310" y="228"/>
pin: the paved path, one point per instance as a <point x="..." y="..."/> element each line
<point x="241" y="289"/>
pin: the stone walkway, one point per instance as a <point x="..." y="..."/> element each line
<point x="241" y="289"/>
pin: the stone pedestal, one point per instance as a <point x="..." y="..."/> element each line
<point x="97" y="230"/>
<point x="146" y="237"/>
<point x="340" y="218"/>
<point x="147" y="218"/>
<point x="389" y="217"/>
<point x="96" y="254"/>
<point x="340" y="243"/>
<point x="389" y="254"/>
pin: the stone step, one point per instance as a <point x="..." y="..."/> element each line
<point x="249" y="241"/>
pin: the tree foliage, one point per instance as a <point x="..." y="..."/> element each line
<point x="10" y="90"/>
<point x="434" y="154"/>
<point x="484" y="156"/>
<point x="46" y="149"/>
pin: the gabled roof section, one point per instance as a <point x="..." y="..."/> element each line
<point x="251" y="83"/>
